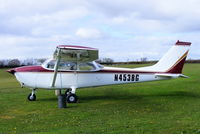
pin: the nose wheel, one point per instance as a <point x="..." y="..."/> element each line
<point x="32" y="96"/>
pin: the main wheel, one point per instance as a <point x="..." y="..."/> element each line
<point x="72" y="98"/>
<point x="31" y="97"/>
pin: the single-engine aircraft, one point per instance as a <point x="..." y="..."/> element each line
<point x="74" y="67"/>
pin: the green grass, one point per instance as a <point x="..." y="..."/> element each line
<point x="161" y="107"/>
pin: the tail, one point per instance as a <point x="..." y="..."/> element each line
<point x="172" y="61"/>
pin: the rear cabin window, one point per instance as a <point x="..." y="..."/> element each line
<point x="86" y="67"/>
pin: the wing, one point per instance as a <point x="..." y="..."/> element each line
<point x="76" y="53"/>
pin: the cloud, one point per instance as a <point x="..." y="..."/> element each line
<point x="46" y="18"/>
<point x="88" y="33"/>
<point x="119" y="20"/>
<point x="25" y="47"/>
<point x="169" y="16"/>
<point x="121" y="29"/>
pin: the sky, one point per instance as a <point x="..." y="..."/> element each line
<point x="124" y="30"/>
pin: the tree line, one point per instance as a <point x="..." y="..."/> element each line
<point x="18" y="63"/>
<point x="106" y="61"/>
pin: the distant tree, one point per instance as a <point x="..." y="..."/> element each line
<point x="143" y="59"/>
<point x="14" y="63"/>
<point x="1" y="63"/>
<point x="41" y="60"/>
<point x="29" y="62"/>
<point x="106" y="60"/>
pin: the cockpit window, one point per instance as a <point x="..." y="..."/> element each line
<point x="63" y="65"/>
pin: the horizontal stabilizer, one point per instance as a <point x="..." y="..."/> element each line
<point x="167" y="75"/>
<point x="183" y="76"/>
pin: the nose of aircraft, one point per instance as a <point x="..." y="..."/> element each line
<point x="12" y="71"/>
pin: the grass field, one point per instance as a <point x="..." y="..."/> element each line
<point x="162" y="107"/>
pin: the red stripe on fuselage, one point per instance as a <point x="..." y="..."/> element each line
<point x="32" y="69"/>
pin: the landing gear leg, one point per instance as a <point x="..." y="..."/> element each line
<point x="32" y="96"/>
<point x="71" y="96"/>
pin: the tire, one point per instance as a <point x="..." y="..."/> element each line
<point x="72" y="98"/>
<point x="31" y="98"/>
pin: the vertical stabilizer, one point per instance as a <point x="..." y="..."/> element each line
<point x="172" y="61"/>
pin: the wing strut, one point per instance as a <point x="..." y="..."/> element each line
<point x="56" y="68"/>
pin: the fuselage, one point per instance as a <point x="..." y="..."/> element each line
<point x="74" y="67"/>
<point x="41" y="77"/>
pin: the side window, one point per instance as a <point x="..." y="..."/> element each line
<point x="67" y="66"/>
<point x="63" y="65"/>
<point x="86" y="67"/>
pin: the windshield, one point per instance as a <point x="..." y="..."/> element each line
<point x="99" y="65"/>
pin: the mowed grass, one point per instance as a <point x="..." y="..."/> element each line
<point x="161" y="107"/>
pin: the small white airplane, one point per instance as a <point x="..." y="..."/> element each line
<point x="74" y="67"/>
